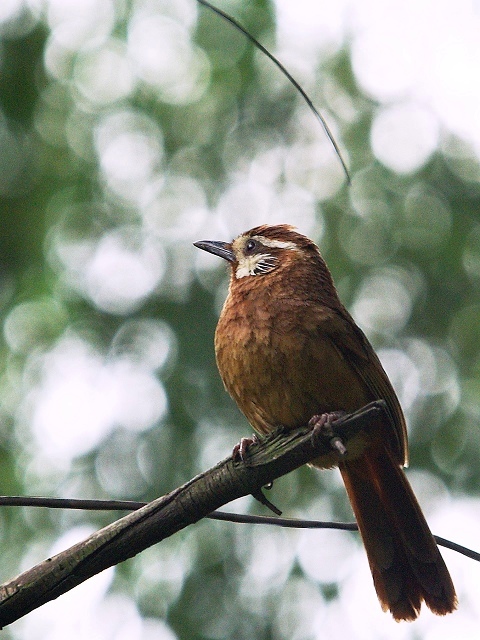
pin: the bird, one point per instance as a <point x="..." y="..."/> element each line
<point x="289" y="353"/>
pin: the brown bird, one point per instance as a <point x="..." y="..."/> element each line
<point x="287" y="351"/>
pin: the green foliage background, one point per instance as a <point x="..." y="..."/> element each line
<point x="404" y="251"/>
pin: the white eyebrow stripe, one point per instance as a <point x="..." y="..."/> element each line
<point x="276" y="244"/>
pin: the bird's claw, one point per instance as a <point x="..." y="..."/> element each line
<point x="241" y="448"/>
<point x="322" y="427"/>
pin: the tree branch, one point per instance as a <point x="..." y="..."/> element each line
<point x="275" y="456"/>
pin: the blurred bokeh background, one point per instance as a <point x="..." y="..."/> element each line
<point x="130" y="129"/>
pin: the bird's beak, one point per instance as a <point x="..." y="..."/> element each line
<point x="222" y="249"/>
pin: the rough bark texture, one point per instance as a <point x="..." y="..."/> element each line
<point x="275" y="456"/>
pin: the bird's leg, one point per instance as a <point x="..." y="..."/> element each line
<point x="322" y="427"/>
<point x="241" y="448"/>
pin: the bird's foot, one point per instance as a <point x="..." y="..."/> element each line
<point x="322" y="427"/>
<point x="241" y="448"/>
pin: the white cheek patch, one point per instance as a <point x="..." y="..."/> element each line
<point x="255" y="265"/>
<point x="246" y="267"/>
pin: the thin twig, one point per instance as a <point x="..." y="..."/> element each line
<point x="226" y="516"/>
<point x="288" y="75"/>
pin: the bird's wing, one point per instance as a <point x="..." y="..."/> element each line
<point x="353" y="345"/>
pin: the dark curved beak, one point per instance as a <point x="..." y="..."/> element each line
<point x="222" y="249"/>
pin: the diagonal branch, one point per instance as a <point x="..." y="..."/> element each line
<point x="275" y="456"/>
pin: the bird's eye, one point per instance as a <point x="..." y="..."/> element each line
<point x="250" y="246"/>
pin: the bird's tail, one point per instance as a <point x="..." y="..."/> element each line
<point x="404" y="559"/>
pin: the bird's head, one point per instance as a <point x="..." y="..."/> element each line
<point x="263" y="250"/>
